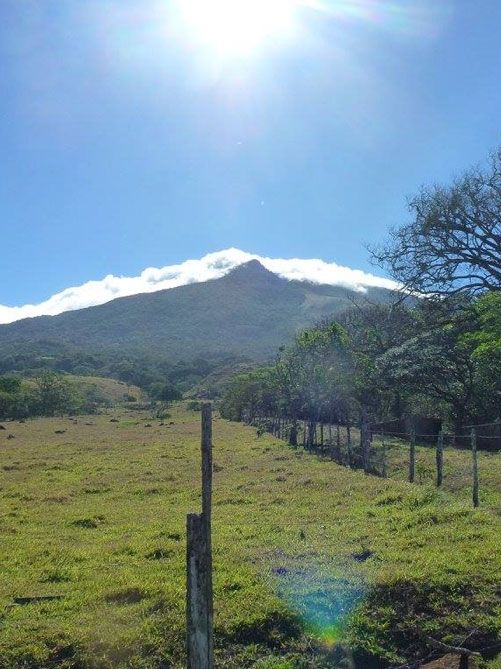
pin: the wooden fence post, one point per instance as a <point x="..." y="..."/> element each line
<point x="197" y="618"/>
<point x="474" y="454"/>
<point x="365" y="440"/>
<point x="312" y="431"/>
<point x="384" y="468"/>
<point x="440" y="458"/>
<point x="199" y="604"/>
<point x="348" y="444"/>
<point x="412" y="457"/>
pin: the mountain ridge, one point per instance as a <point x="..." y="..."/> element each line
<point x="250" y="310"/>
<point x="198" y="270"/>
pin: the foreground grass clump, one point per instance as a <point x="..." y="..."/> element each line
<point x="314" y="563"/>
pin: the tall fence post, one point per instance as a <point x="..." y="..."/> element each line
<point x="440" y="459"/>
<point x="412" y="457"/>
<point x="199" y="604"/>
<point x="474" y="455"/>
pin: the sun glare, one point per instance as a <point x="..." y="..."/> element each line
<point x="238" y="27"/>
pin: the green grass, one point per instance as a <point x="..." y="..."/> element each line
<point x="115" y="392"/>
<point x="96" y="516"/>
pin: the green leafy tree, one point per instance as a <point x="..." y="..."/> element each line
<point x="485" y="342"/>
<point x="252" y="395"/>
<point x="53" y="394"/>
<point x="451" y="363"/>
<point x="165" y="392"/>
<point x="10" y="391"/>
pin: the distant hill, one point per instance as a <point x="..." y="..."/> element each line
<point x="249" y="312"/>
<point x="105" y="391"/>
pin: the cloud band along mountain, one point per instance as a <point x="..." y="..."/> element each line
<point x="211" y="266"/>
<point x="249" y="311"/>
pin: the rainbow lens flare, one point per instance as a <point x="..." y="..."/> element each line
<point x="323" y="601"/>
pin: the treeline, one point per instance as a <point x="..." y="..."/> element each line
<point x="435" y="359"/>
<point x="162" y="379"/>
<point x="434" y="352"/>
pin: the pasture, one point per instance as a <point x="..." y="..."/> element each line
<point x="315" y="564"/>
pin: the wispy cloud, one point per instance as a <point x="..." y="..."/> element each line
<point x="211" y="266"/>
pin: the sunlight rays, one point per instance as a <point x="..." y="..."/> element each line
<point x="242" y="28"/>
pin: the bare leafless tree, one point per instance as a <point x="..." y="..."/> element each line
<point x="453" y="244"/>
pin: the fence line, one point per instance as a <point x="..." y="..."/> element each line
<point x="366" y="456"/>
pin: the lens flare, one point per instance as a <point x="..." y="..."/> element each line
<point x="412" y="18"/>
<point x="324" y="602"/>
<point x="236" y="28"/>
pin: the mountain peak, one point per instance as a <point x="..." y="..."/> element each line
<point x="248" y="312"/>
<point x="251" y="271"/>
<point x="199" y="270"/>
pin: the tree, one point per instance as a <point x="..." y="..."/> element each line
<point x="485" y="340"/>
<point x="309" y="381"/>
<point x="453" y="244"/>
<point x="10" y="395"/>
<point x="320" y="368"/>
<point x="165" y="392"/>
<point x="252" y="395"/>
<point x="450" y="367"/>
<point x="372" y="330"/>
<point x="53" y="394"/>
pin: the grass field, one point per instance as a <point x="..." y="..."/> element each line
<point x="315" y="564"/>
<point x="110" y="389"/>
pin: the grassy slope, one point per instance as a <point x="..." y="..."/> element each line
<point x="113" y="391"/>
<point x="97" y="515"/>
<point x="108" y="391"/>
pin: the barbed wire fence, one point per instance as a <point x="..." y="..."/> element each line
<point x="392" y="453"/>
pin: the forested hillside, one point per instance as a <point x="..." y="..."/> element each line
<point x="250" y="312"/>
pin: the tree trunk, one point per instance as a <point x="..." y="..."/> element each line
<point x="312" y="428"/>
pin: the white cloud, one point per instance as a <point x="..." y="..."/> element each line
<point x="211" y="266"/>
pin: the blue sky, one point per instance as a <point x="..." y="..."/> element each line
<point x="128" y="142"/>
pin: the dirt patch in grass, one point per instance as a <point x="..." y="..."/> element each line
<point x="126" y="596"/>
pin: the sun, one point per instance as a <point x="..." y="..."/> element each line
<point x="238" y="27"/>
